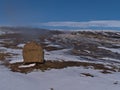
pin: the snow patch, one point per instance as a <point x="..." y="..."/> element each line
<point x="53" y="45"/>
<point x="24" y="66"/>
<point x="111" y="59"/>
<point x="21" y="45"/>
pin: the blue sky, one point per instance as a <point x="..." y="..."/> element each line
<point x="41" y="13"/>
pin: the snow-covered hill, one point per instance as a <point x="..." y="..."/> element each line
<point x="84" y="49"/>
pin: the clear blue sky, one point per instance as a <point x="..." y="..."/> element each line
<point x="28" y="12"/>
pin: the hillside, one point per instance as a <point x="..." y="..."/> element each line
<point x="75" y="60"/>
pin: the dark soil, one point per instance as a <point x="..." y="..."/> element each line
<point x="48" y="65"/>
<point x="4" y="55"/>
<point x="87" y="74"/>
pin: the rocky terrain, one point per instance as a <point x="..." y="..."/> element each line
<point x="98" y="46"/>
<point x="92" y="45"/>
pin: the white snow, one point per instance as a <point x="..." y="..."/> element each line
<point x="24" y="66"/>
<point x="15" y="58"/>
<point x="17" y="54"/>
<point x="87" y="51"/>
<point x="62" y="79"/>
<point x="60" y="55"/>
<point x="21" y="45"/>
<point x="53" y="45"/>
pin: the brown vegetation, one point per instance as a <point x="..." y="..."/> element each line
<point x="3" y="56"/>
<point x="48" y="65"/>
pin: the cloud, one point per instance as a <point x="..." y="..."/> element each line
<point x="102" y="23"/>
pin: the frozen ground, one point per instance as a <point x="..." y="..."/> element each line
<point x="63" y="79"/>
<point x="111" y="49"/>
<point x="71" y="78"/>
<point x="60" y="55"/>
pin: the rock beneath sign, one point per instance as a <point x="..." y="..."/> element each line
<point x="33" y="52"/>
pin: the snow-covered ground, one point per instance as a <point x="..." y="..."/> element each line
<point x="117" y="50"/>
<point x="71" y="78"/>
<point x="110" y="59"/>
<point x="60" y="55"/>
<point x="17" y="54"/>
<point x="62" y="79"/>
